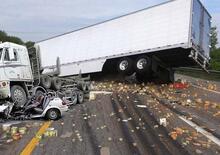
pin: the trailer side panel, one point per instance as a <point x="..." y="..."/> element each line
<point x="158" y="27"/>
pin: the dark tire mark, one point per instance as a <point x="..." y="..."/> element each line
<point x="92" y="137"/>
<point x="125" y="129"/>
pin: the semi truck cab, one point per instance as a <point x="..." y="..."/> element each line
<point x="21" y="76"/>
<point x="15" y="70"/>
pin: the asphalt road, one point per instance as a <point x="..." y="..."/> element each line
<point x="128" y="122"/>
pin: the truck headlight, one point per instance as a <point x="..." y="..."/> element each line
<point x="4" y="84"/>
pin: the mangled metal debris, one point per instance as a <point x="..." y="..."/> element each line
<point x="50" y="107"/>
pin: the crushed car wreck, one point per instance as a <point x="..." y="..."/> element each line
<point x="43" y="106"/>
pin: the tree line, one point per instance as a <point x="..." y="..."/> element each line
<point x="215" y="52"/>
<point x="5" y="37"/>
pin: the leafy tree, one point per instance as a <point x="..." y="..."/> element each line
<point x="215" y="59"/>
<point x="29" y="44"/>
<point x="214" y="38"/>
<point x="15" y="40"/>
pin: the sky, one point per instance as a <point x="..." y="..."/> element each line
<point x="40" y="19"/>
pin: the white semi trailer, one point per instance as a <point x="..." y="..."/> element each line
<point x="149" y="42"/>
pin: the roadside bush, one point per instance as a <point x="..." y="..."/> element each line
<point x="215" y="60"/>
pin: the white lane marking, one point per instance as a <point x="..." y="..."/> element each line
<point x="213" y="91"/>
<point x="202" y="131"/>
<point x="141" y="106"/>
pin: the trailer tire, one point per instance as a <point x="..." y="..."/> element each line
<point x="53" y="114"/>
<point x="45" y="82"/>
<point x="74" y="98"/>
<point x="18" y="95"/>
<point x="143" y="64"/>
<point x="56" y="83"/>
<point x="125" y="66"/>
<point x="80" y="97"/>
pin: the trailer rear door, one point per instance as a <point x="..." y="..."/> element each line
<point x="201" y="25"/>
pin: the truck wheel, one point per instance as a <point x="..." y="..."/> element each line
<point x="53" y="114"/>
<point x="125" y="66"/>
<point x="80" y="97"/>
<point x="143" y="64"/>
<point x="56" y="83"/>
<point x="18" y="95"/>
<point x="74" y="97"/>
<point x="45" y="82"/>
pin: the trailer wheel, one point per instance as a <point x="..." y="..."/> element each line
<point x="143" y="64"/>
<point x="45" y="82"/>
<point x="80" y="97"/>
<point x="125" y="66"/>
<point x="18" y="95"/>
<point x="74" y="97"/>
<point x="56" y="83"/>
<point x="53" y="114"/>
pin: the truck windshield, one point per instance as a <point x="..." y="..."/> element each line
<point x="1" y="49"/>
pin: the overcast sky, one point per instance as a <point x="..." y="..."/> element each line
<point x="39" y="19"/>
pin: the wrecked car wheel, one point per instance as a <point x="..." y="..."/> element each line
<point x="53" y="114"/>
<point x="18" y="95"/>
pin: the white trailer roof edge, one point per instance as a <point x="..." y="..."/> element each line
<point x="170" y="1"/>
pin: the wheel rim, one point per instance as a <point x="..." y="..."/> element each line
<point x="18" y="95"/>
<point x="123" y="65"/>
<point x="141" y="63"/>
<point x="53" y="114"/>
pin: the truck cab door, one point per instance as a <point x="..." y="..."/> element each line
<point x="12" y="64"/>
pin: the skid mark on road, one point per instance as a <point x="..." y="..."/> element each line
<point x="34" y="141"/>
